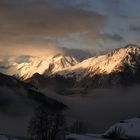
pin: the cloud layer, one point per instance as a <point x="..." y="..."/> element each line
<point x="34" y="24"/>
<point x="29" y="27"/>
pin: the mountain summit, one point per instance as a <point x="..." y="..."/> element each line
<point x="118" y="67"/>
<point x="121" y="66"/>
<point x="46" y="65"/>
<point x="115" y="61"/>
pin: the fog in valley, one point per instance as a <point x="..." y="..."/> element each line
<point x="101" y="108"/>
<point x="15" y="112"/>
<point x="98" y="110"/>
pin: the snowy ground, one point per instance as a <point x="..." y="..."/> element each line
<point x="130" y="128"/>
<point x="85" y="137"/>
<point x="6" y="137"/>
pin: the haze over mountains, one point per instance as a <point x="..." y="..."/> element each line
<point x="16" y="92"/>
<point x="54" y="76"/>
<point x="75" y="60"/>
<point x="45" y="65"/>
<point x="17" y="103"/>
<point x="118" y="67"/>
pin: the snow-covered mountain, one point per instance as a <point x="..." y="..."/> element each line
<point x="45" y="65"/>
<point x="121" y="66"/>
<point x="114" y="61"/>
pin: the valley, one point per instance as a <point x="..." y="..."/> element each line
<point x="93" y="95"/>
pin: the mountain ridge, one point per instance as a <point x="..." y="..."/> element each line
<point x="45" y="65"/>
<point x="118" y="67"/>
<point x="13" y="89"/>
<point x="113" y="61"/>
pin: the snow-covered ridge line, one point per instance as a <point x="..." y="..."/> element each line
<point x="114" y="61"/>
<point x="45" y="65"/>
<point x="67" y="66"/>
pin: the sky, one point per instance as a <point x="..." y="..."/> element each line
<point x="38" y="27"/>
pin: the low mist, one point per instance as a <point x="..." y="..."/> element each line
<point x="98" y="109"/>
<point x="101" y="108"/>
<point x="15" y="112"/>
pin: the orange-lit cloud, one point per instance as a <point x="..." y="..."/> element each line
<point x="26" y="25"/>
<point x="32" y="50"/>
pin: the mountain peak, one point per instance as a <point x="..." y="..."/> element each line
<point x="115" y="61"/>
<point x="130" y="48"/>
<point x="119" y="66"/>
<point x="45" y="65"/>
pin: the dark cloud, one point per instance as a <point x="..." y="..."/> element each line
<point x="113" y="37"/>
<point x="115" y="8"/>
<point x="27" y="25"/>
<point x="30" y="23"/>
<point x="80" y="54"/>
<point x="89" y="37"/>
<point x="134" y="28"/>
